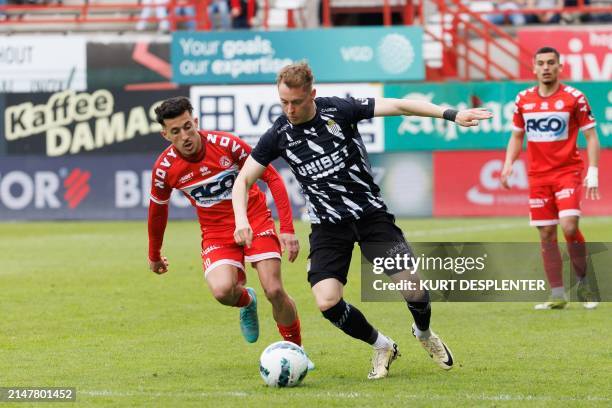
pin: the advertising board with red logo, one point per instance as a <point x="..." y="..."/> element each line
<point x="585" y="54"/>
<point x="117" y="187"/>
<point x="468" y="184"/>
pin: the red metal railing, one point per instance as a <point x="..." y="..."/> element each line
<point x="118" y="13"/>
<point x="410" y="11"/>
<point x="461" y="25"/>
<point x="129" y="12"/>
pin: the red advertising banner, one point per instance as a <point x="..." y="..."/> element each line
<point x="585" y="54"/>
<point x="468" y="184"/>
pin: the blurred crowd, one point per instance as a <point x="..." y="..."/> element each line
<point x="552" y="11"/>
<point x="233" y="14"/>
<point x="222" y="14"/>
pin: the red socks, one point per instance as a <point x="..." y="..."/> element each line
<point x="244" y="299"/>
<point x="553" y="265"/>
<point x="292" y="332"/>
<point x="578" y="253"/>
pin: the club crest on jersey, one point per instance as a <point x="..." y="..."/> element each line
<point x="559" y="105"/>
<point x="225" y="162"/>
<point x="333" y="128"/>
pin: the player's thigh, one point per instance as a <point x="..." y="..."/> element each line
<point x="331" y="249"/>
<point x="223" y="280"/>
<point x="223" y="264"/>
<point x="265" y="256"/>
<point x="263" y="247"/>
<point x="327" y="293"/>
<point x="543" y="210"/>
<point x="568" y="193"/>
<point x="380" y="237"/>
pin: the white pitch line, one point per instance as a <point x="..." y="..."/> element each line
<point x="492" y="227"/>
<point x="457" y="230"/>
<point x="345" y="395"/>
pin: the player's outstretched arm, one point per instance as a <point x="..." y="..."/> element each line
<point x="289" y="242"/>
<point x="250" y="172"/>
<point x="157" y="221"/>
<point x="410" y="107"/>
<point x="513" y="151"/>
<point x="591" y="182"/>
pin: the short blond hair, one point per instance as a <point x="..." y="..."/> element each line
<point x="298" y="75"/>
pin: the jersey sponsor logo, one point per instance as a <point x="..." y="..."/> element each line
<point x="213" y="190"/>
<point x="544" y="106"/>
<point x="546" y="127"/>
<point x="537" y="202"/>
<point x="529" y="106"/>
<point x="267" y="232"/>
<point x="204" y="170"/>
<point x="210" y="248"/>
<point x="325" y="165"/>
<point x="186" y="177"/>
<point x="565" y="193"/>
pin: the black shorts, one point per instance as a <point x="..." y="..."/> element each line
<point x="331" y="245"/>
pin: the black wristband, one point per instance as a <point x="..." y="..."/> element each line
<point x="450" y="114"/>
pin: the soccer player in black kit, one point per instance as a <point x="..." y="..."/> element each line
<point x="318" y="138"/>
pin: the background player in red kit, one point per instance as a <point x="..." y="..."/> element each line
<point x="550" y="114"/>
<point x="203" y="166"/>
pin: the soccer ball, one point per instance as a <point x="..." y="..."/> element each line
<point x="283" y="364"/>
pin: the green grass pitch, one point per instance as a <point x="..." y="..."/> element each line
<point x="79" y="308"/>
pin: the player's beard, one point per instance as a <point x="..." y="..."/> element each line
<point x="551" y="79"/>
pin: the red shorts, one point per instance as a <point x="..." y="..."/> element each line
<point x="265" y="245"/>
<point x="548" y="203"/>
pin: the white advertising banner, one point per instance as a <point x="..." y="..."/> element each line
<point x="43" y="64"/>
<point x="249" y="110"/>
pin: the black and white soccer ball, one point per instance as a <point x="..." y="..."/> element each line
<point x="283" y="364"/>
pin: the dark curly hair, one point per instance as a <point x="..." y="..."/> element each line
<point x="171" y="108"/>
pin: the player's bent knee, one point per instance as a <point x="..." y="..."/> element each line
<point x="275" y="294"/>
<point x="223" y="293"/>
<point x="569" y="230"/>
<point x="326" y="303"/>
<point x="548" y="233"/>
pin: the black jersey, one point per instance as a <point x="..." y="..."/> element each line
<point x="328" y="158"/>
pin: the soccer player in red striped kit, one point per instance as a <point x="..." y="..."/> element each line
<point x="203" y="166"/>
<point x="551" y="114"/>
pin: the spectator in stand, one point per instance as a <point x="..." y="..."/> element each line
<point x="186" y="9"/>
<point x="601" y="17"/>
<point x="161" y="13"/>
<point x="240" y="18"/>
<point x="545" y="17"/>
<point x="220" y="15"/>
<point x="504" y="5"/>
<point x="574" y="18"/>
